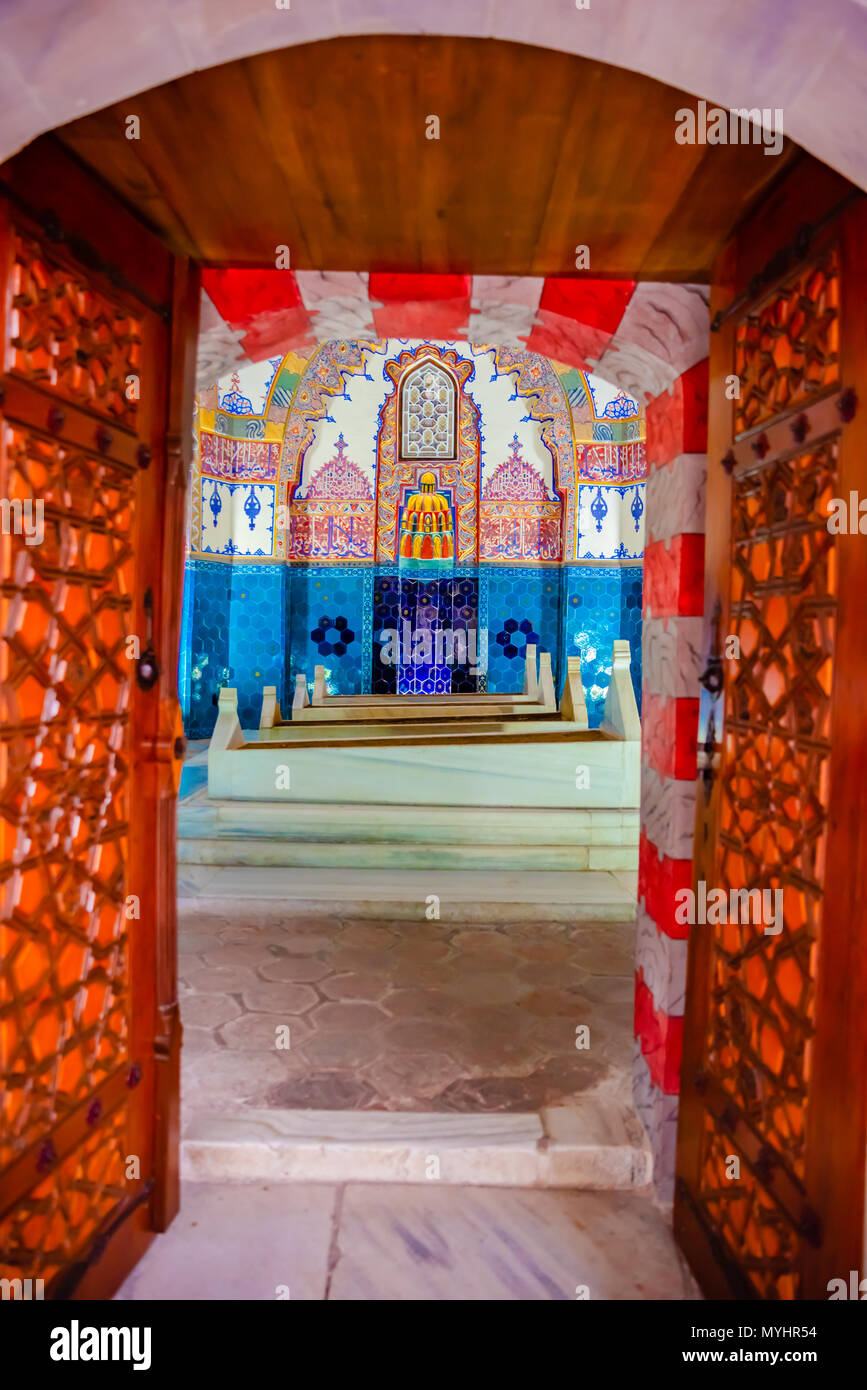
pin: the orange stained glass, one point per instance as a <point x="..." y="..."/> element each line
<point x="54" y="1224"/>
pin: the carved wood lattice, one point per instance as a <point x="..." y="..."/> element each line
<point x="787" y="348"/>
<point x="56" y="1221"/>
<point x="773" y="827"/>
<point x="69" y="337"/>
<point x="64" y="1007"/>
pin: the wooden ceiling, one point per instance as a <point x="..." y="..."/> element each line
<point x="322" y="148"/>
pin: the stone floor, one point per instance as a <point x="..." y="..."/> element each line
<point x="407" y="1243"/>
<point x="400" y="1015"/>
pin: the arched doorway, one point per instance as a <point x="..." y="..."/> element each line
<point x="675" y="412"/>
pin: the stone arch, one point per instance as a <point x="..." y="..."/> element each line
<point x="719" y="55"/>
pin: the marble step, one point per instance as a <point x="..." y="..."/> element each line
<point x="593" y="1143"/>
<point x="200" y="817"/>
<point x="462" y="895"/>
<point x="296" y="853"/>
<point x="419" y="711"/>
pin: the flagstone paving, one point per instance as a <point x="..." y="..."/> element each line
<point x="320" y="1013"/>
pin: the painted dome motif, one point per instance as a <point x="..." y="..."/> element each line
<point x="426" y="526"/>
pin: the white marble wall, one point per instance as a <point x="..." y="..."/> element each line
<point x="676" y="498"/>
<point x="658" y="1113"/>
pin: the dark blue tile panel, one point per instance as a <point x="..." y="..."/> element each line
<point x="386" y="619"/>
<point x="329" y="618"/>
<point x="522" y="608"/>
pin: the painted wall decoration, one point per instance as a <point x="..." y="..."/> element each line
<point x="608" y="429"/>
<point x="611" y="522"/>
<point x="515" y="395"/>
<point x="397" y="479"/>
<point x="304" y="472"/>
<point x="326" y="379"/>
<point x="238" y="439"/>
<point x="253" y="459"/>
<point x="237" y="518"/>
<point x="427" y="527"/>
<point x="335" y="516"/>
<point x="519" y="520"/>
<point x="612" y="463"/>
<point x="536" y="381"/>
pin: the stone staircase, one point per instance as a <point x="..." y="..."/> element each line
<point x="322" y="836"/>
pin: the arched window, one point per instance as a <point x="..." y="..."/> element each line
<point x="428" y="412"/>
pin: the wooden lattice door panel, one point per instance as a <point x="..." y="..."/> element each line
<point x="64" y="939"/>
<point x="786" y="352"/>
<point x="754" y="1208"/>
<point x="86" y="907"/>
<point x="82" y="344"/>
<point x="773" y="825"/>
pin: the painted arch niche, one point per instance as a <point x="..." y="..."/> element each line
<point x="511" y="437"/>
<point x="435" y="371"/>
<point x="539" y="447"/>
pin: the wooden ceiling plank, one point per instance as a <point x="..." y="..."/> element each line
<point x="322" y="147"/>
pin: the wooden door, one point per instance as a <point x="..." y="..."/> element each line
<point x="98" y="324"/>
<point x="773" y="1113"/>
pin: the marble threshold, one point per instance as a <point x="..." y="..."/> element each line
<point x="594" y="1143"/>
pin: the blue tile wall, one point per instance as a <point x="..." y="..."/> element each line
<point x="599" y="604"/>
<point x="208" y="644"/>
<point x="329" y="618"/>
<point x="257" y="641"/>
<point x="631" y="584"/>
<point x="185" y="649"/>
<point x="254" y="625"/>
<point x="521" y="606"/>
<point x="232" y="634"/>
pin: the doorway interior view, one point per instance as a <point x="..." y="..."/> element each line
<point x="432" y="606"/>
